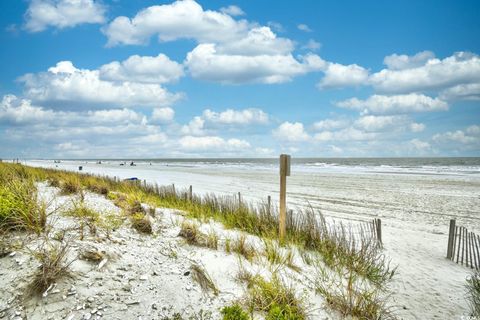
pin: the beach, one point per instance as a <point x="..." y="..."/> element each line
<point x="414" y="203"/>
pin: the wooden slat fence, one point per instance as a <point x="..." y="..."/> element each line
<point x="463" y="246"/>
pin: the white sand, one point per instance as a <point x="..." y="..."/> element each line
<point x="415" y="210"/>
<point x="145" y="275"/>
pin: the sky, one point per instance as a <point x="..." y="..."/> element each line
<point x="188" y="79"/>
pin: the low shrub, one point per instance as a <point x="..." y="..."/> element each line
<point x="234" y="312"/>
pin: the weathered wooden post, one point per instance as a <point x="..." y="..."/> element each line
<point x="451" y="236"/>
<point x="190" y="193"/>
<point x="284" y="172"/>
<point x="269" y="202"/>
<point x="239" y="200"/>
<point x="378" y="226"/>
<point x="173" y="190"/>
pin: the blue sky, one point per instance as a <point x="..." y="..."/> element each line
<point x="86" y="78"/>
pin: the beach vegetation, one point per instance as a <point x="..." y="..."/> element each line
<point x="473" y="293"/>
<point x="275" y="298"/>
<point x="242" y="247"/>
<point x="53" y="266"/>
<point x="234" y="312"/>
<point x="201" y="276"/>
<point x="20" y="208"/>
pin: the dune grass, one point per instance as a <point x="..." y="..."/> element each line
<point x="350" y="255"/>
<point x="473" y="293"/>
<point x="53" y="266"/>
<point x="20" y="208"/>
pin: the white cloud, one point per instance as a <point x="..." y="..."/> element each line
<point x="419" y="145"/>
<point x="469" y="91"/>
<point x="144" y="69"/>
<point x="163" y="115"/>
<point x="304" y="27"/>
<point x="347" y="134"/>
<point x="338" y="75"/>
<point x="312" y="45"/>
<point x="66" y="84"/>
<point x="115" y="116"/>
<point x="395" y="104"/>
<point x="458" y="136"/>
<point x="379" y="123"/>
<point x="258" y="41"/>
<point x="184" y="19"/>
<point x="417" y="127"/>
<point x="194" y="127"/>
<point x="434" y="74"/>
<point x="20" y="111"/>
<point x="204" y="62"/>
<point x="212" y="144"/>
<point x="292" y="132"/>
<point x="62" y="13"/>
<point x="401" y="62"/>
<point x="232" y="10"/>
<point x="236" y="117"/>
<point x="331" y="124"/>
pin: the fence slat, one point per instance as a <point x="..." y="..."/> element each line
<point x="451" y="235"/>
<point x="463" y="243"/>
<point x="470" y="249"/>
<point x="459" y="233"/>
<point x="455" y="236"/>
<point x="477" y="250"/>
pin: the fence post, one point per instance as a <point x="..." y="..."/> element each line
<point x="284" y="172"/>
<point x="190" y="193"/>
<point x="269" y="201"/>
<point x="451" y="235"/>
<point x="239" y="200"/>
<point x="173" y="189"/>
<point x="378" y="226"/>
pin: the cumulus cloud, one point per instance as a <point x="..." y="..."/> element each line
<point x="410" y="75"/>
<point x="195" y="127"/>
<point x="401" y="62"/>
<point x="14" y="110"/>
<point x="64" y="83"/>
<point x="338" y="75"/>
<point x="417" y="127"/>
<point x="236" y="117"/>
<point x="304" y="27"/>
<point x="331" y="124"/>
<point x="312" y="45"/>
<point x="60" y="14"/>
<point x="232" y="10"/>
<point x="163" y="115"/>
<point x="206" y="63"/>
<point x="291" y="132"/>
<point x="210" y="120"/>
<point x="379" y="123"/>
<point x="212" y="144"/>
<point x="183" y="19"/>
<point x="469" y="136"/>
<point x="469" y="91"/>
<point x="395" y="104"/>
<point x="347" y="134"/>
<point x="144" y="69"/>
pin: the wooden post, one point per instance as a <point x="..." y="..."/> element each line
<point x="269" y="201"/>
<point x="379" y="230"/>
<point x="459" y="235"/>
<point x="239" y="200"/>
<point x="190" y="193"/>
<point x="451" y="236"/>
<point x="144" y="183"/>
<point x="284" y="172"/>
<point x="173" y="190"/>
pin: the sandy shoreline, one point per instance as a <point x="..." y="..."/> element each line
<point x="415" y="210"/>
